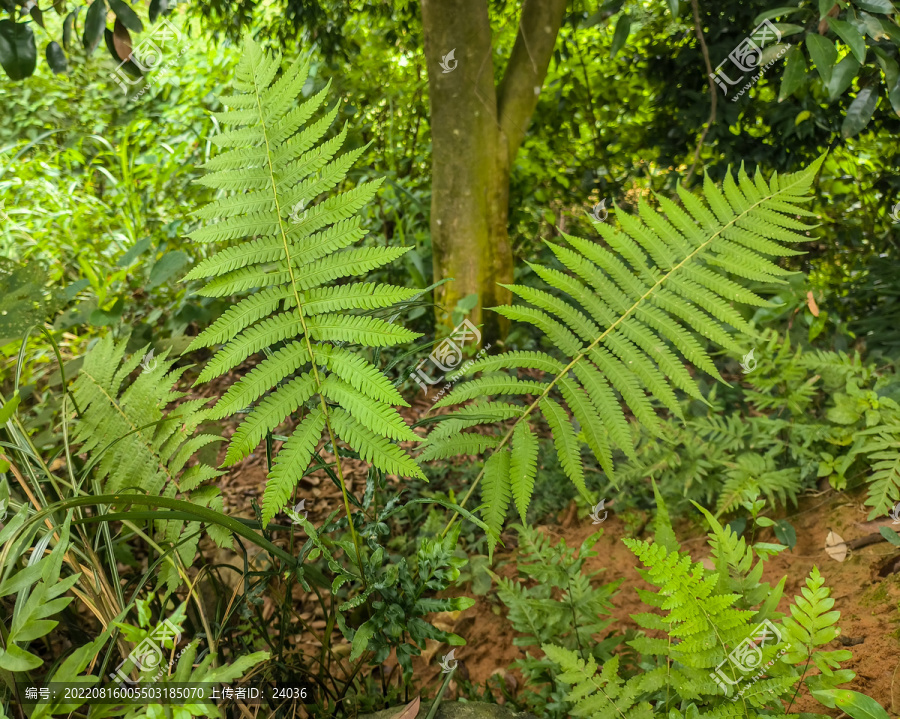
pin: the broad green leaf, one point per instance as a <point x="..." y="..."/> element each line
<point x="787" y="29"/>
<point x="890" y="535"/>
<point x="623" y="27"/>
<point x="167" y="266"/>
<point x="825" y="7"/>
<point x="860" y="112"/>
<point x="68" y="26"/>
<point x="851" y="36"/>
<point x="842" y="77"/>
<point x="794" y="73"/>
<point x="776" y="12"/>
<point x="131" y="254"/>
<point x="882" y="6"/>
<point x="823" y="54"/>
<point x="9" y="407"/>
<point x="157" y="7"/>
<point x="891" y="78"/>
<point x="673" y="7"/>
<point x="94" y="25"/>
<point x="16" y="659"/>
<point x="126" y="15"/>
<point x="857" y="705"/>
<point x="18" y="55"/>
<point x="56" y="58"/>
<point x="361" y="640"/>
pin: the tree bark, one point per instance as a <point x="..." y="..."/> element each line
<point x="476" y="130"/>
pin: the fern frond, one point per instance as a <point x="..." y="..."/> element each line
<point x="295" y="256"/>
<point x="152" y="444"/>
<point x="626" y="315"/>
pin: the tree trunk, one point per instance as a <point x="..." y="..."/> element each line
<point x="476" y="130"/>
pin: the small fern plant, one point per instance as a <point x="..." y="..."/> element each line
<point x="724" y="651"/>
<point x="620" y="317"/>
<point x="153" y="447"/>
<point x="288" y="255"/>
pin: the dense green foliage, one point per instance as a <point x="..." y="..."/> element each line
<point x="228" y="266"/>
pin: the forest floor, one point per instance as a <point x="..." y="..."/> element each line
<point x="865" y="586"/>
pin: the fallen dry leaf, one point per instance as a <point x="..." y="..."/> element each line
<point x="811" y="303"/>
<point x="835" y="547"/>
<point x="411" y="711"/>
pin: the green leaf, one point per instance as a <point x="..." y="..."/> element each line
<point x="890" y="535"/>
<point x="620" y="36"/>
<point x="157" y="7"/>
<point x="16" y="659"/>
<point x="785" y="533"/>
<point x="18" y="54"/>
<point x="56" y="58"/>
<point x="787" y="29"/>
<point x="842" y="77"/>
<point x="823" y="54"/>
<point x="9" y="407"/>
<point x="857" y="705"/>
<point x="167" y="266"/>
<point x="776" y="12"/>
<point x="68" y="26"/>
<point x="825" y="7"/>
<point x="674" y="7"/>
<point x="131" y="254"/>
<point x="794" y="73"/>
<point x="361" y="640"/>
<point x="851" y="36"/>
<point x="860" y="112"/>
<point x="126" y="15"/>
<point x="94" y="25"/>
<point x="882" y="6"/>
<point x="891" y="77"/>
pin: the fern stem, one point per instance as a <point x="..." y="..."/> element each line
<point x="625" y="315"/>
<point x="302" y="318"/>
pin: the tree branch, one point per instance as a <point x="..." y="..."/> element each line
<point x="712" y="88"/>
<point x="518" y="93"/>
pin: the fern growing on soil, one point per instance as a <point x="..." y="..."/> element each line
<point x="289" y="254"/>
<point x="719" y="646"/>
<point x="630" y="308"/>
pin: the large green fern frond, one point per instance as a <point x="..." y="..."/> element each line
<point x="626" y="318"/>
<point x="287" y="253"/>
